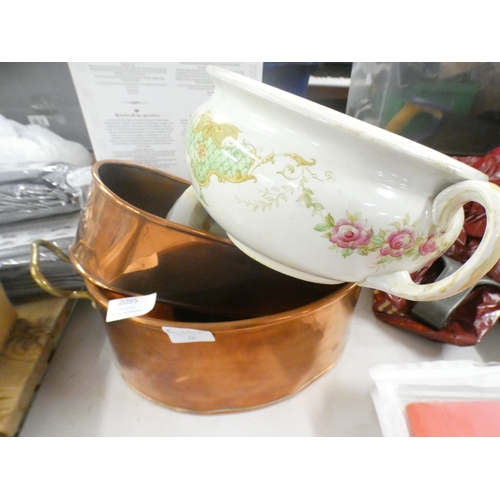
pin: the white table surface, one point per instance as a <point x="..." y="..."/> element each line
<point x="83" y="394"/>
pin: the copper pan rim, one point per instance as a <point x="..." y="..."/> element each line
<point x="243" y="324"/>
<point x="142" y="214"/>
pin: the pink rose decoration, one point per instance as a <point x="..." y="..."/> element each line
<point x="347" y="234"/>
<point x="397" y="242"/>
<point x="430" y="245"/>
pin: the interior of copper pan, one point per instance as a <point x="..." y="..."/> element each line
<point x="124" y="244"/>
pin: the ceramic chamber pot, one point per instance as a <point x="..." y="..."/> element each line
<point x="251" y="363"/>
<point x="125" y="244"/>
<point x="327" y="198"/>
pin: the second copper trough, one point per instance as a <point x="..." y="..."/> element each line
<point x="125" y="244"/>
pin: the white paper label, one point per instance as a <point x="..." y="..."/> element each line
<point x="185" y="335"/>
<point x="129" y="307"/>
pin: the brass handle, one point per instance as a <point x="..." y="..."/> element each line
<point x="42" y="281"/>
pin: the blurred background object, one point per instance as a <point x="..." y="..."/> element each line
<point x="326" y="83"/>
<point x="451" y="107"/>
<point x="329" y="84"/>
<point x="43" y="93"/>
<point x="292" y="77"/>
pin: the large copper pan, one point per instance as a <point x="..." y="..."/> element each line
<point x="251" y="363"/>
<point x="125" y="244"/>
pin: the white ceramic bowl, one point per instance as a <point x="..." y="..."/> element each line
<point x="325" y="197"/>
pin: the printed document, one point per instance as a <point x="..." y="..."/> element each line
<point x="139" y="111"/>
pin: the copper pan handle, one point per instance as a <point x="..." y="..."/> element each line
<point x="42" y="281"/>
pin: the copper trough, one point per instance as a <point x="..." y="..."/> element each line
<point x="272" y="334"/>
<point x="251" y="363"/>
<point x="125" y="244"/>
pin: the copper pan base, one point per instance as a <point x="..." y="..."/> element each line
<point x="251" y="363"/>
